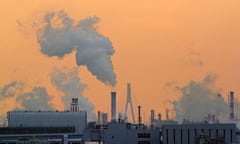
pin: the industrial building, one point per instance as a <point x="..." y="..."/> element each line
<point x="45" y="126"/>
<point x="71" y="127"/>
<point x="196" y="133"/>
<point x="78" y="119"/>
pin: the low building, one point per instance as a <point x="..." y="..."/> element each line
<point x="199" y="133"/>
<point x="51" y="127"/>
<point x="78" y="119"/>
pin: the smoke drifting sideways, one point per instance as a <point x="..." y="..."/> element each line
<point x="70" y="84"/>
<point x="37" y="99"/>
<point x="21" y="99"/>
<point x="93" y="50"/>
<point x="199" y="100"/>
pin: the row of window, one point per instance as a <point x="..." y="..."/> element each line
<point x="144" y="135"/>
<point x="195" y="132"/>
<point x="144" y="142"/>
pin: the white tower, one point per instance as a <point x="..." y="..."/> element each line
<point x="129" y="101"/>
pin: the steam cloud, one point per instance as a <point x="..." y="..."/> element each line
<point x="199" y="100"/>
<point x="37" y="99"/>
<point x="92" y="49"/>
<point x="8" y="90"/>
<point x="70" y="84"/>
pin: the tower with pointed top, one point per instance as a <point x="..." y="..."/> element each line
<point x="129" y="101"/>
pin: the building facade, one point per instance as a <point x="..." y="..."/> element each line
<point x="199" y="133"/>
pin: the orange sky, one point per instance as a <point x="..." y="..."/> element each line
<point x="155" y="42"/>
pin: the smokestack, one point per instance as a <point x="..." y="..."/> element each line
<point x="139" y="115"/>
<point x="99" y="117"/>
<point x="74" y="105"/>
<point x="104" y="118"/>
<point x="113" y="106"/>
<point x="152" y="117"/>
<point x="231" y="105"/>
<point x="159" y="117"/>
<point x="167" y="114"/>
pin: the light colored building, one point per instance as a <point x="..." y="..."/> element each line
<point x="78" y="119"/>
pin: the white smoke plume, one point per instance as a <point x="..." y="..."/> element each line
<point x="37" y="99"/>
<point x="92" y="49"/>
<point x="198" y="100"/>
<point x="70" y="84"/>
<point x="8" y="90"/>
<point x="21" y="99"/>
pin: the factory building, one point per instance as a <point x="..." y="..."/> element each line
<point x="197" y="133"/>
<point x="46" y="126"/>
<point x="78" y="119"/>
<point x="54" y="127"/>
<point x="119" y="133"/>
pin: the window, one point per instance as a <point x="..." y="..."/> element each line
<point x="181" y="136"/>
<point x="174" y="136"/>
<point x="144" y="135"/>
<point x="144" y="142"/>
<point x="167" y="135"/>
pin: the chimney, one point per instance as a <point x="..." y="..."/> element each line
<point x="74" y="105"/>
<point x="159" y="117"/>
<point x="139" y="115"/>
<point x="152" y="117"/>
<point x="113" y="106"/>
<point x="99" y="117"/>
<point x="104" y="118"/>
<point x="231" y="105"/>
<point x="167" y="114"/>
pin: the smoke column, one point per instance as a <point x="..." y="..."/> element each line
<point x="37" y="99"/>
<point x="92" y="49"/>
<point x="198" y="99"/>
<point x="14" y="96"/>
<point x="69" y="83"/>
<point x="7" y="90"/>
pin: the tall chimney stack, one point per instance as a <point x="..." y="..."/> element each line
<point x="99" y="117"/>
<point x="139" y="115"/>
<point x="152" y="117"/>
<point x="159" y="117"/>
<point x="113" y="106"/>
<point x="167" y="114"/>
<point x="231" y="105"/>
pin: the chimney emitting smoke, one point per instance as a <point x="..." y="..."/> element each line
<point x="113" y="106"/>
<point x="231" y="105"/>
